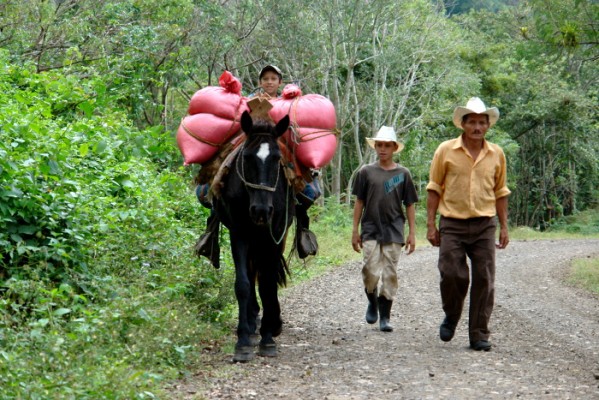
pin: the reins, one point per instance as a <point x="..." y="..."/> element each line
<point x="241" y="173"/>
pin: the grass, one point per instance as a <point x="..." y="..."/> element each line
<point x="585" y="274"/>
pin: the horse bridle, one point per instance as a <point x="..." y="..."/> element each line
<point x="241" y="173"/>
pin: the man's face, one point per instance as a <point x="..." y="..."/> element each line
<point x="270" y="83"/>
<point x="475" y="126"/>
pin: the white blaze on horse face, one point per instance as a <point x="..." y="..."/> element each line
<point x="263" y="152"/>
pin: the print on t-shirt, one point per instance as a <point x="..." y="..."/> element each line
<point x="393" y="183"/>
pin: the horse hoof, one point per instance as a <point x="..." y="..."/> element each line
<point x="267" y="350"/>
<point x="255" y="339"/>
<point x="243" y="354"/>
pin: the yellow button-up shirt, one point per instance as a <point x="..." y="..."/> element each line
<point x="468" y="188"/>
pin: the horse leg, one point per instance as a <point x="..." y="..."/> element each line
<point x="244" y="350"/>
<point x="271" y="318"/>
<point x="253" y="310"/>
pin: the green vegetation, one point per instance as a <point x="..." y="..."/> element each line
<point x="100" y="294"/>
<point x="585" y="273"/>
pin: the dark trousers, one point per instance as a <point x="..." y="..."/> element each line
<point x="475" y="238"/>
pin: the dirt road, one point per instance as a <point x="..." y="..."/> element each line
<point x="545" y="337"/>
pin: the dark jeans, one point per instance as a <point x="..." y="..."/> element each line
<point x="475" y="238"/>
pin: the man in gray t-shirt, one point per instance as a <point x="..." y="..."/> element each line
<point x="382" y="190"/>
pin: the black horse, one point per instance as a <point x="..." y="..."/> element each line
<point x="256" y="204"/>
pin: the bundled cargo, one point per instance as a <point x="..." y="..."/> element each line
<point x="212" y="120"/>
<point x="312" y="135"/>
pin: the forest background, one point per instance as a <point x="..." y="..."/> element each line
<point x="101" y="296"/>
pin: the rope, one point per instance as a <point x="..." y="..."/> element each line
<point x="241" y="174"/>
<point x="284" y="233"/>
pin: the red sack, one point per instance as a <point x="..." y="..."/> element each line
<point x="213" y="119"/>
<point x="313" y="121"/>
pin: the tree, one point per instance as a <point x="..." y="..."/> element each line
<point x="548" y="110"/>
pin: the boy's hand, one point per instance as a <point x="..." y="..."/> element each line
<point x="411" y="243"/>
<point x="356" y="241"/>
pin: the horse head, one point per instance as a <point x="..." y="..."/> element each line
<point x="259" y="165"/>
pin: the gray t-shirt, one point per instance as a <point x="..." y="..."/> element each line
<point x="383" y="192"/>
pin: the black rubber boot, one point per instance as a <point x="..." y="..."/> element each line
<point x="305" y="240"/>
<point x="385" y="314"/>
<point x="372" y="312"/>
<point x="207" y="245"/>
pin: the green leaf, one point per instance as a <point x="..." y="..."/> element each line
<point x="28" y="229"/>
<point x="101" y="146"/>
<point x="87" y="108"/>
<point x="14" y="192"/>
<point x="127" y="183"/>
<point x="83" y="149"/>
<point x="61" y="311"/>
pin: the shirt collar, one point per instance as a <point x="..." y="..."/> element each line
<point x="460" y="143"/>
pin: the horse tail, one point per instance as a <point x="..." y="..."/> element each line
<point x="282" y="271"/>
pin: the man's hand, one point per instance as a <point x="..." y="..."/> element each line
<point x="432" y="234"/>
<point x="504" y="238"/>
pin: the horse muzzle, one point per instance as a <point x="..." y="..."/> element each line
<point x="261" y="214"/>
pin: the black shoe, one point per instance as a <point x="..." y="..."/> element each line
<point x="479" y="345"/>
<point x="447" y="330"/>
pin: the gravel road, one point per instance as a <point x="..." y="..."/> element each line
<point x="545" y="336"/>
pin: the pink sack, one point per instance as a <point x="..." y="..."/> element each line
<point x="313" y="121"/>
<point x="213" y="119"/>
<point x="200" y="135"/>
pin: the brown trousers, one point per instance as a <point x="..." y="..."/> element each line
<point x="475" y="238"/>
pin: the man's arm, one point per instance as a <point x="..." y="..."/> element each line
<point x="432" y="204"/>
<point x="356" y="241"/>
<point x="501" y="207"/>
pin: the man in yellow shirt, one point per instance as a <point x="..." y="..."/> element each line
<point x="468" y="187"/>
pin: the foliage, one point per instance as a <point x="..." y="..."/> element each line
<point x="464" y="6"/>
<point x="100" y="298"/>
<point x="550" y="109"/>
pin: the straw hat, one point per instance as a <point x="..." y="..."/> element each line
<point x="475" y="106"/>
<point x="385" y="134"/>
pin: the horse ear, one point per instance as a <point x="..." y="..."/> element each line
<point x="282" y="125"/>
<point x="246" y="122"/>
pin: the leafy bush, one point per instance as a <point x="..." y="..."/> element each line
<point x="101" y="296"/>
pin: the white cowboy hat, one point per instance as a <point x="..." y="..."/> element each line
<point x="475" y="106"/>
<point x="385" y="134"/>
